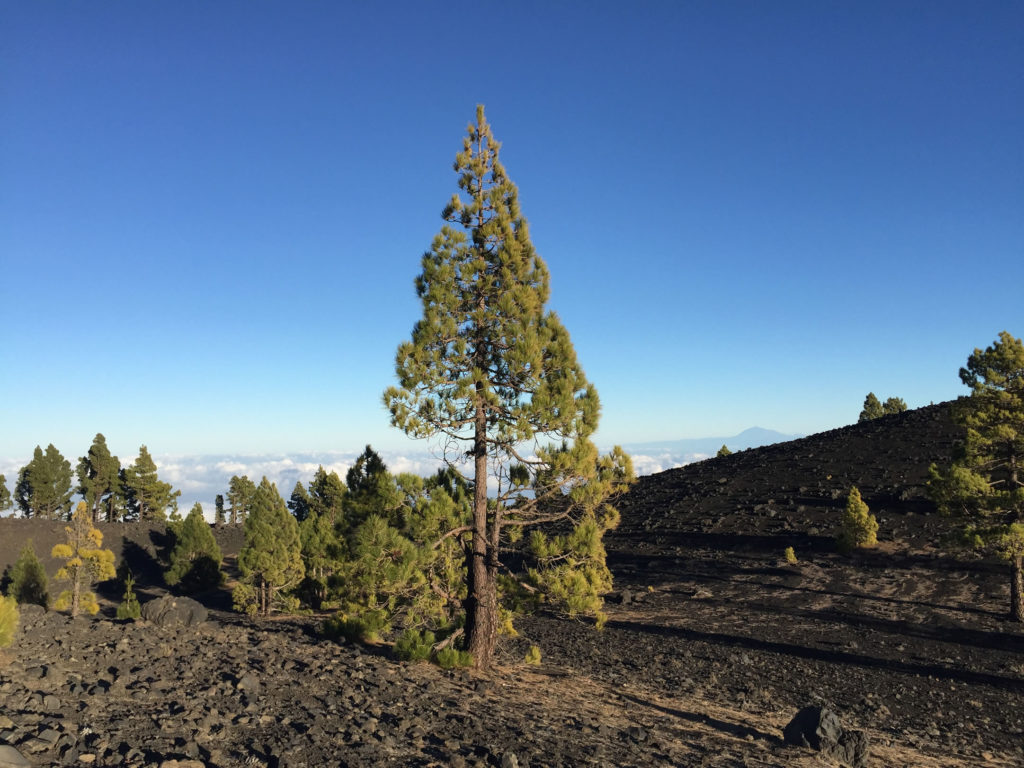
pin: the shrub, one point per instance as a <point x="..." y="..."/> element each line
<point x="723" y="451"/>
<point x="790" y="555"/>
<point x="8" y="620"/>
<point x="129" y="607"/>
<point x="450" y="658"/>
<point x="28" y="579"/>
<point x="533" y="655"/>
<point x="859" y="527"/>
<point x="364" y="626"/>
<point x="413" y="645"/>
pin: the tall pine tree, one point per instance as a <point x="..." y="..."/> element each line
<point x="240" y="493"/>
<point x="149" y="498"/>
<point x="271" y="560"/>
<point x="44" y="485"/>
<point x="985" y="484"/>
<point x="99" y="479"/>
<point x="5" y="495"/>
<point x="494" y="374"/>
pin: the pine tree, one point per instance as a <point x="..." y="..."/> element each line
<point x="872" y="408"/>
<point x="299" y="502"/>
<point x="99" y="479"/>
<point x="28" y="579"/>
<point x="327" y="495"/>
<point x="858" y="528"/>
<point x="985" y="484"/>
<point x="271" y="560"/>
<point x="371" y="491"/>
<point x="219" y="518"/>
<point x="149" y="498"/>
<point x="84" y="563"/>
<point x="44" y="485"/>
<point x="196" y="558"/>
<point x="723" y="451"/>
<point x="319" y="548"/>
<point x="893" y="405"/>
<point x="129" y="607"/>
<point x="5" y="495"/>
<point x="490" y="370"/>
<point x="240" y="493"/>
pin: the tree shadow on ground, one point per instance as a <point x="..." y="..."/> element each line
<point x="827" y="656"/>
<point x="732" y="729"/>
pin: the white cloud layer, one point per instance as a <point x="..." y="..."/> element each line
<point x="200" y="478"/>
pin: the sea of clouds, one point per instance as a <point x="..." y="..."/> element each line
<point x="201" y="478"/>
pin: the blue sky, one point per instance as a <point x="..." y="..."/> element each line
<point x="212" y="214"/>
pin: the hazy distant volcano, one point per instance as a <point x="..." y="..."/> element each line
<point x="660" y="455"/>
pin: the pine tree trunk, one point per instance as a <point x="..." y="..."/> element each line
<point x="1017" y="589"/>
<point x="482" y="599"/>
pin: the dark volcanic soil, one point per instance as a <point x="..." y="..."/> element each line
<point x="714" y="642"/>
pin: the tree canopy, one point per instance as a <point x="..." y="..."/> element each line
<point x="149" y="498"/>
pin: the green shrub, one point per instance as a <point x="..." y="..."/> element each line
<point x="450" y="658"/>
<point x="533" y="655"/>
<point x="8" y="620"/>
<point x="28" y="579"/>
<point x="859" y="527"/>
<point x="789" y="555"/>
<point x="414" y="645"/>
<point x="129" y="607"/>
<point x="365" y="626"/>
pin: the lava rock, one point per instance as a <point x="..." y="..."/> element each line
<point x="820" y="729"/>
<point x="173" y="611"/>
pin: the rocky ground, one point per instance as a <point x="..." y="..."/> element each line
<point x="714" y="643"/>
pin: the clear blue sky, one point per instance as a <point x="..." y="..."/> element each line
<point x="211" y="214"/>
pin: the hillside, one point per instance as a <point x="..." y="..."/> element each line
<point x="713" y="644"/>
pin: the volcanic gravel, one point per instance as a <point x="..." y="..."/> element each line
<point x="714" y="642"/>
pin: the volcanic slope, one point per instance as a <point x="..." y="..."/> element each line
<point x="908" y="641"/>
<point x="713" y="643"/>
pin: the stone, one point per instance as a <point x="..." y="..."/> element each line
<point x="12" y="758"/>
<point x="171" y="611"/>
<point x="820" y="729"/>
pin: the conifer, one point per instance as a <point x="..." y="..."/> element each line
<point x="859" y="528"/>
<point x="84" y="563"/>
<point x="271" y="560"/>
<point x="893" y="405"/>
<point x="149" y="498"/>
<point x="327" y="495"/>
<point x="299" y="501"/>
<point x="196" y="558"/>
<point x="28" y="579"/>
<point x="44" y="485"/>
<point x="723" y="451"/>
<point x="490" y="370"/>
<point x="985" y="483"/>
<point x="99" y="479"/>
<point x="240" y="494"/>
<point x="219" y="518"/>
<point x="5" y="495"/>
<point x="129" y="607"/>
<point x="872" y="408"/>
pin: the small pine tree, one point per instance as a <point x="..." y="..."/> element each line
<point x="723" y="451"/>
<point x="790" y="556"/>
<point x="893" y="405"/>
<point x="84" y="563"/>
<point x="859" y="527"/>
<point x="28" y="579"/>
<point x="872" y="408"/>
<point x="533" y="655"/>
<point x="9" y="617"/>
<point x="129" y="607"/>
<point x="196" y="558"/>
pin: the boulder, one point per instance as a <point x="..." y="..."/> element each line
<point x="820" y="729"/>
<point x="171" y="611"/>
